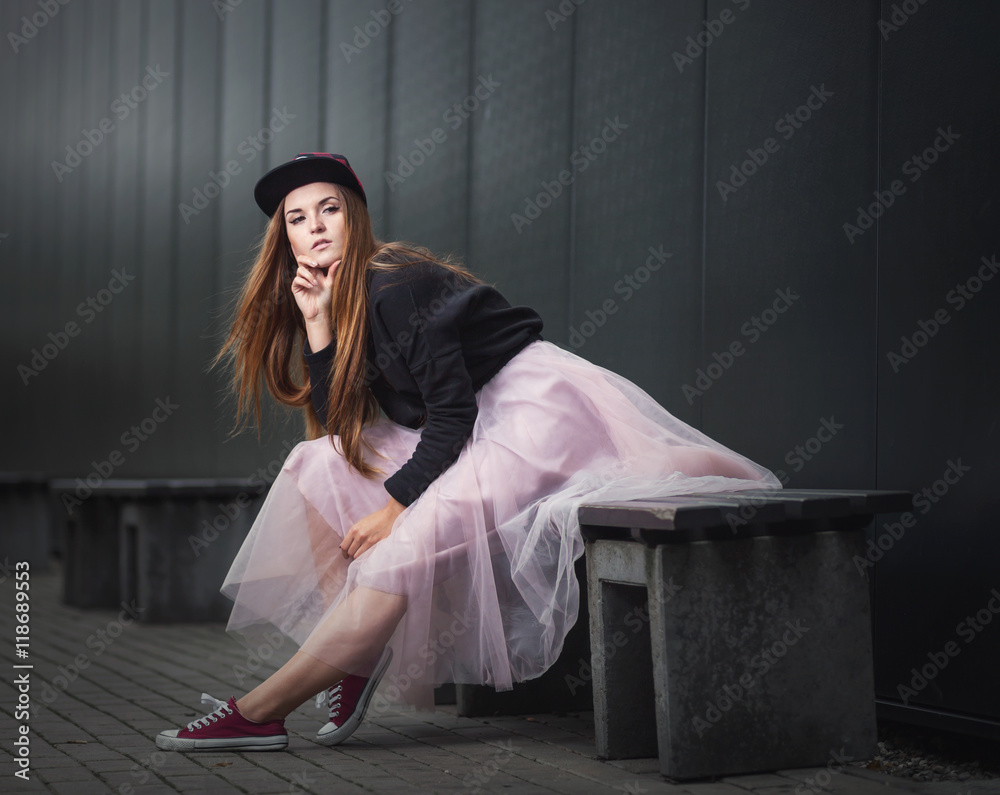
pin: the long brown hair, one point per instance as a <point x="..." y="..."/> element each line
<point x="265" y="342"/>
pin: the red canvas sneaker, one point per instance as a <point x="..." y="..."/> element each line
<point x="349" y="700"/>
<point x="225" y="730"/>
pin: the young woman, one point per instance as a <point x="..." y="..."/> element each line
<point x="427" y="532"/>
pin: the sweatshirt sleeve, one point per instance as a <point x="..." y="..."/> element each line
<point x="319" y="365"/>
<point x="430" y="343"/>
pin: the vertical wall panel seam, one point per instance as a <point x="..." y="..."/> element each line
<point x="83" y="216"/>
<point x="571" y="253"/>
<point x="390" y="48"/>
<point x="23" y="319"/>
<point x="265" y="109"/>
<point x="215" y="298"/>
<point x="117" y="354"/>
<point x="878" y="228"/>
<point x="12" y="327"/>
<point x="62" y="32"/>
<point x="702" y="330"/>
<point x="86" y="208"/>
<point x="173" y="353"/>
<point x="140" y="232"/>
<point x="140" y="195"/>
<point x="321" y="145"/>
<point x="112" y="171"/>
<point x="219" y="158"/>
<point x="470" y="139"/>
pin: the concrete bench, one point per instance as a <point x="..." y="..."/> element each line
<point x="25" y="522"/>
<point x="731" y="633"/>
<point x="166" y="544"/>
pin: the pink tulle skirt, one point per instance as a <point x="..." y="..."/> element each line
<point x="475" y="584"/>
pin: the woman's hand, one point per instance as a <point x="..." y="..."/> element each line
<point x="312" y="288"/>
<point x="369" y="531"/>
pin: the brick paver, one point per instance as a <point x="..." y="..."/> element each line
<point x="101" y="690"/>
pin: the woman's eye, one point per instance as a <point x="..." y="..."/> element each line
<point x="331" y="207"/>
<point x="296" y="219"/>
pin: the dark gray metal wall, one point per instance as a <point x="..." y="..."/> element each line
<point x="938" y="410"/>
<point x="646" y="125"/>
<point x="781" y="232"/>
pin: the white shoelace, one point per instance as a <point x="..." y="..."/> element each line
<point x="222" y="709"/>
<point x="335" y="700"/>
<point x="332" y="694"/>
<point x="332" y="697"/>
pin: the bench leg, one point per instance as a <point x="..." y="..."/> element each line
<point x="761" y="654"/>
<point x="624" y="709"/>
<point x="90" y="576"/>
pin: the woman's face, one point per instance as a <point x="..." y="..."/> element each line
<point x="314" y="222"/>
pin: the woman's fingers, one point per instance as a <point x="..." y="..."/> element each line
<point x="303" y="276"/>
<point x="349" y="541"/>
<point x="359" y="544"/>
<point x="316" y="275"/>
<point x="315" y="267"/>
<point x="350" y="545"/>
<point x="364" y="535"/>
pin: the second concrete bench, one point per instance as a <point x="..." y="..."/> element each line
<point x="165" y="544"/>
<point x="731" y="633"/>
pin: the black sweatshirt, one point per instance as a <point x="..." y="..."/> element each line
<point x="434" y="340"/>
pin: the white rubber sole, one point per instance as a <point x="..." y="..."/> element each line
<point x="330" y="734"/>
<point x="169" y="741"/>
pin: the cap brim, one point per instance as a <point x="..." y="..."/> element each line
<point x="282" y="180"/>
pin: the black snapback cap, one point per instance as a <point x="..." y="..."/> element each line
<point x="304" y="168"/>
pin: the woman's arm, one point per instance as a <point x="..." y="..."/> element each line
<point x="318" y="333"/>
<point x="432" y="351"/>
<point x="319" y="363"/>
<point x="312" y="289"/>
<point x="446" y="388"/>
<point x="431" y="347"/>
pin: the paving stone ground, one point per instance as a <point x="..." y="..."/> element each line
<point x="101" y="689"/>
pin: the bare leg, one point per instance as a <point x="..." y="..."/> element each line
<point x="298" y="680"/>
<point x="360" y="626"/>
